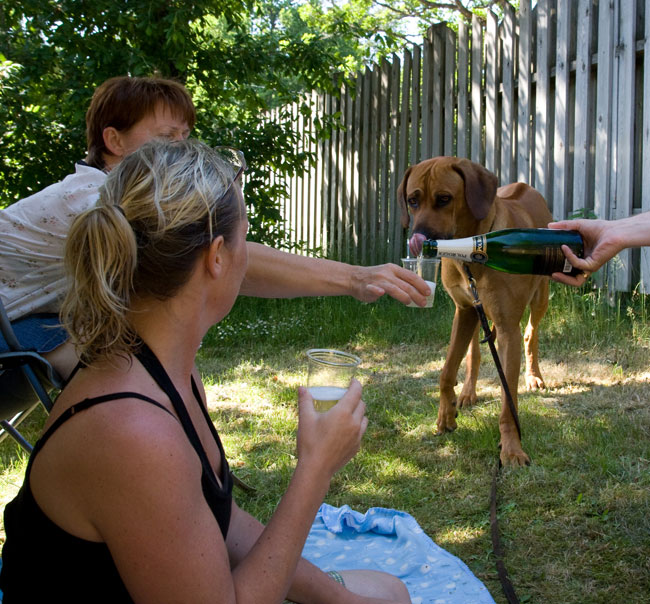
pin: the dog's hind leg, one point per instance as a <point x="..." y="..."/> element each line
<point x="538" y="306"/>
<point x="467" y="396"/>
<point x="463" y="328"/>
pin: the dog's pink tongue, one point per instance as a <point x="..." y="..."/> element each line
<point x="415" y="243"/>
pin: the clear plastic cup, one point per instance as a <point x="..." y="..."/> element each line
<point x="428" y="269"/>
<point x="330" y="372"/>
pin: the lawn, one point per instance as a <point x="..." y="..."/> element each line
<point x="575" y="524"/>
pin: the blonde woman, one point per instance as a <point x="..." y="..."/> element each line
<point x="127" y="496"/>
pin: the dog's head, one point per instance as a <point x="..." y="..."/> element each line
<point x="445" y="198"/>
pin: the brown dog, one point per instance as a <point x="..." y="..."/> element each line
<point x="449" y="198"/>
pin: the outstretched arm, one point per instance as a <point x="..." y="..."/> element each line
<point x="272" y="273"/>
<point x="603" y="240"/>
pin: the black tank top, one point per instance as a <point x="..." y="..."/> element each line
<point x="42" y="562"/>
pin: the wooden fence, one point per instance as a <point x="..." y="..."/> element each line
<point x="553" y="95"/>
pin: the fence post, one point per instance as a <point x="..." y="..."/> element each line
<point x="645" y="184"/>
<point x="393" y="225"/>
<point x="462" y="130"/>
<point x="491" y="90"/>
<point x="416" y="111"/>
<point x="561" y="130"/>
<point x="542" y="97"/>
<point x="344" y="175"/>
<point x="364" y="172"/>
<point x="438" y="98"/>
<point x="382" y="180"/>
<point x="507" y="97"/>
<point x="477" y="90"/>
<point x="357" y="133"/>
<point x="523" y="93"/>
<point x="426" y="149"/>
<point x="624" y="135"/>
<point x="448" y="81"/>
<point x="583" y="105"/>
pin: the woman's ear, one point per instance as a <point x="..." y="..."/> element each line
<point x="215" y="257"/>
<point x="113" y="141"/>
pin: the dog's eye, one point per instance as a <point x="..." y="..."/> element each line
<point x="413" y="202"/>
<point x="443" y="199"/>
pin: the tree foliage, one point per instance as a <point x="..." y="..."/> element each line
<point x="238" y="58"/>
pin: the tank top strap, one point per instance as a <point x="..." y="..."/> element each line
<point x="155" y="368"/>
<point x="87" y="404"/>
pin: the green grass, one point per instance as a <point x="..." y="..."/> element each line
<point x="575" y="524"/>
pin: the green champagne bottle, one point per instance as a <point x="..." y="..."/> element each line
<point x="518" y="251"/>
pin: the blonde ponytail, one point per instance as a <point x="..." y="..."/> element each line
<point x="100" y="259"/>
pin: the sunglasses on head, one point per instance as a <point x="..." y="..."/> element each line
<point x="236" y="159"/>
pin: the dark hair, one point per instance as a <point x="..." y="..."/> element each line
<point x="122" y="101"/>
<point x="158" y="209"/>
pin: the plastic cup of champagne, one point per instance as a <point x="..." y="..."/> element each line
<point x="427" y="268"/>
<point x="330" y="372"/>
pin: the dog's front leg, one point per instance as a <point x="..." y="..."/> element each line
<point x="467" y="396"/>
<point x="509" y="339"/>
<point x="462" y="330"/>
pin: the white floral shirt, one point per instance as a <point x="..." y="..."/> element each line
<point x="32" y="239"/>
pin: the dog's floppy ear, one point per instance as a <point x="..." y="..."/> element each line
<point x="480" y="187"/>
<point x="401" y="198"/>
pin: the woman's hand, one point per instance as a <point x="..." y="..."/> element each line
<point x="602" y="242"/>
<point x="329" y="440"/>
<point x="368" y="283"/>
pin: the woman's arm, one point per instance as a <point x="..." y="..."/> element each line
<point x="310" y="584"/>
<point x="275" y="274"/>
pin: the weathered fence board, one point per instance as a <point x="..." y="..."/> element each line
<point x="554" y="94"/>
<point x="478" y="114"/>
<point x="523" y="92"/>
<point x="645" y="185"/>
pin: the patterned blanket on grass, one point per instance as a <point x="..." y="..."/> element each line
<point x="392" y="541"/>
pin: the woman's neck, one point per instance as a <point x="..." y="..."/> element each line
<point x="168" y="330"/>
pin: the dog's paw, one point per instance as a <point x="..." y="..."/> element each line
<point x="514" y="458"/>
<point x="441" y="431"/>
<point x="446" y="423"/>
<point x="534" y="382"/>
<point x="467" y="398"/>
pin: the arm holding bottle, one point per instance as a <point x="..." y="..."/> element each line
<point x="272" y="273"/>
<point x="603" y="240"/>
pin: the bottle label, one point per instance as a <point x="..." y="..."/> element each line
<point x="470" y="249"/>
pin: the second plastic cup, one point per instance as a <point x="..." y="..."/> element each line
<point x="427" y="268"/>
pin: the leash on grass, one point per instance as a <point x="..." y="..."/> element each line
<point x="506" y="584"/>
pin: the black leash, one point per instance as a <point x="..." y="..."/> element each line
<point x="506" y="584"/>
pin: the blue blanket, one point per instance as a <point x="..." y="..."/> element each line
<point x="392" y="541"/>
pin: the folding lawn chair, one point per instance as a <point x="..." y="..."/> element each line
<point x="26" y="379"/>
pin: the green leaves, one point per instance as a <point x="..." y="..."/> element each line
<point x="238" y="58"/>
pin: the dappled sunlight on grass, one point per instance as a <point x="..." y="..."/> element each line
<point x="11" y="479"/>
<point x="575" y="523"/>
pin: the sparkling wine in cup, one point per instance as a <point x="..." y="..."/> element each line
<point x="330" y="372"/>
<point x="427" y="268"/>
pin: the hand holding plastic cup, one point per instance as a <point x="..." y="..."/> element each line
<point x="330" y="372"/>
<point x="427" y="268"/>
